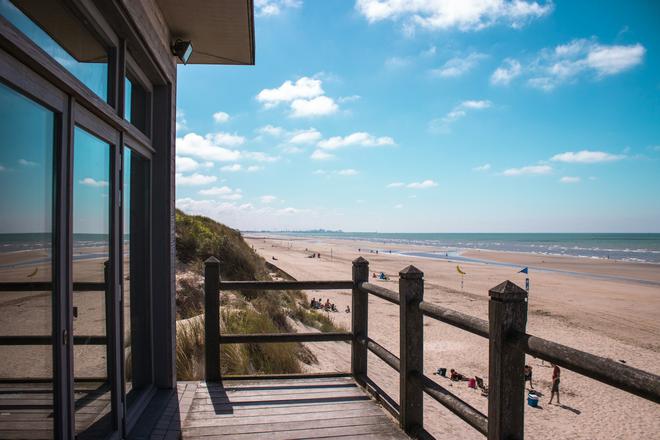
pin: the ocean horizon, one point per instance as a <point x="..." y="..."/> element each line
<point x="631" y="247"/>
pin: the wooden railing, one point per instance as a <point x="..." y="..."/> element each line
<point x="505" y="330"/>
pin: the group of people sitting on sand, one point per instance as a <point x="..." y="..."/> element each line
<point x="328" y="306"/>
<point x="478" y="382"/>
<point x="380" y="276"/>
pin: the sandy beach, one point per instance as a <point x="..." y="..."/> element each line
<point x="605" y="307"/>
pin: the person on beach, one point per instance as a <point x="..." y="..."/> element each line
<point x="456" y="376"/>
<point x="556" y="372"/>
<point x="528" y="375"/>
<point x="348" y="309"/>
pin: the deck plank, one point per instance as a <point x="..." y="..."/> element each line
<point x="300" y="408"/>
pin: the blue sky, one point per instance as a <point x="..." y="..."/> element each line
<point x="436" y="116"/>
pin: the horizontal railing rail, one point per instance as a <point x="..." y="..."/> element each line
<point x="267" y="338"/>
<point x="285" y="285"/>
<point x="505" y="330"/>
<point x="456" y="319"/>
<point x="607" y="371"/>
<point x="46" y="286"/>
<point x="48" y="340"/>
<point x="381" y="292"/>
<point x="455" y="404"/>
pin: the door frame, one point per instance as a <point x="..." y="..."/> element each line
<point x="83" y="118"/>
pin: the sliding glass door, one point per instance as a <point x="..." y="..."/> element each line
<point x="27" y="139"/>
<point x="92" y="299"/>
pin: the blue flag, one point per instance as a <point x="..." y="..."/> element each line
<point x="525" y="270"/>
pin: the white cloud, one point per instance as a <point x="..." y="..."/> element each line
<point x="291" y="149"/>
<point x="504" y="74"/>
<point x="303" y="88"/>
<point x="306" y="98"/>
<point x="88" y="181"/>
<point x="398" y="206"/>
<point x="180" y="120"/>
<point x="205" y="148"/>
<point x="267" y="199"/>
<point x="458" y="66"/>
<point x="227" y="139"/>
<point x="464" y="15"/>
<point x="269" y="8"/>
<point x="569" y="179"/>
<point x="223" y="192"/>
<point x="442" y="125"/>
<point x="351" y="98"/>
<point x="259" y="156"/>
<point x="271" y="130"/>
<point x="428" y="183"/>
<point x="528" y="170"/>
<point x="308" y="136"/>
<point x="27" y="163"/>
<point x="360" y="138"/>
<point x="220" y="117"/>
<point x="398" y="62"/>
<point x="232" y="168"/>
<point x="321" y="155"/>
<point x="484" y="167"/>
<point x="395" y="185"/>
<point x="347" y="172"/>
<point x="320" y="172"/>
<point x="319" y="106"/>
<point x="195" y="179"/>
<point x="186" y="164"/>
<point x="586" y="156"/>
<point x="254" y="168"/>
<point x="568" y="62"/>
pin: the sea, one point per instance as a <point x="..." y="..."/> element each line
<point x="633" y="247"/>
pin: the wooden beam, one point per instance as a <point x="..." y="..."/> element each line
<point x="607" y="371"/>
<point x="268" y="338"/>
<point x="456" y="319"/>
<point x="381" y="292"/>
<point x="453" y="403"/>
<point x="411" y="344"/>
<point x="285" y="285"/>
<point x="507" y="312"/>
<point x="359" y="320"/>
<point x="211" y="320"/>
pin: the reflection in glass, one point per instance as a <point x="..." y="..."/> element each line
<point x="136" y="105"/>
<point x="56" y="30"/>
<point x="26" y="194"/>
<point x="137" y="355"/>
<point x="91" y="241"/>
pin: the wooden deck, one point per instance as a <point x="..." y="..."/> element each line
<point x="267" y="409"/>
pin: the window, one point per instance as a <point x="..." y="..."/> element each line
<point x="56" y="30"/>
<point x="136" y="274"/>
<point x="27" y="137"/>
<point x="91" y="253"/>
<point x="137" y="98"/>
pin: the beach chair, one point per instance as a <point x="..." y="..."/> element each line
<point x="482" y="387"/>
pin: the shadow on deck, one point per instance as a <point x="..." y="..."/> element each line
<point x="274" y="409"/>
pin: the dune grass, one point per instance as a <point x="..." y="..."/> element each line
<point x="248" y="312"/>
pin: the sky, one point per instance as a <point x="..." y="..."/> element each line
<point x="430" y="116"/>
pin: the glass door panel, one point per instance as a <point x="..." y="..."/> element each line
<point x="27" y="135"/>
<point x="136" y="271"/>
<point x="91" y="255"/>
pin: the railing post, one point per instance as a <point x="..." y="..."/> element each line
<point x="360" y="319"/>
<point x="507" y="312"/>
<point x="212" y="320"/>
<point x="411" y="345"/>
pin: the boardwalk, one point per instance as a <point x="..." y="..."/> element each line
<point x="272" y="409"/>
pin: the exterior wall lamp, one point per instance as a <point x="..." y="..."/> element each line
<point x="183" y="50"/>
